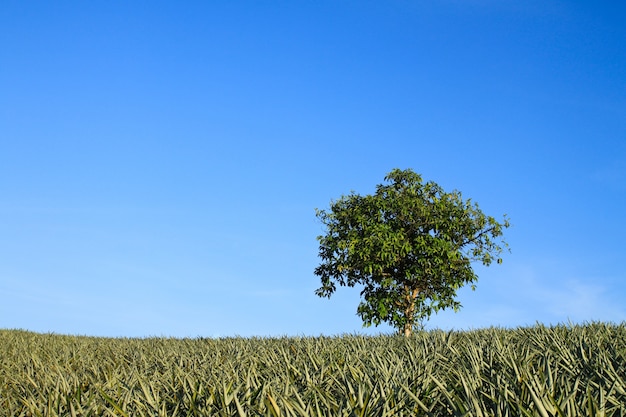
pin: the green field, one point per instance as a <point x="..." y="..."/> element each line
<point x="535" y="371"/>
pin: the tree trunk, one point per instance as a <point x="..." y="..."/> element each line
<point x="409" y="311"/>
<point x="408" y="329"/>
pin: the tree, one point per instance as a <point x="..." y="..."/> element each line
<point x="410" y="245"/>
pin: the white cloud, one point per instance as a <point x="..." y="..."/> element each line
<point x="549" y="293"/>
<point x="523" y="295"/>
<point x="579" y="300"/>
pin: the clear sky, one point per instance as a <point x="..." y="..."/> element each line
<point x="161" y="162"/>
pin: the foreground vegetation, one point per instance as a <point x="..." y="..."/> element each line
<point x="537" y="371"/>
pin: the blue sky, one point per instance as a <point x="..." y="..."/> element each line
<point x="161" y="162"/>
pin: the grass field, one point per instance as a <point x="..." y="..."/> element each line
<point x="574" y="370"/>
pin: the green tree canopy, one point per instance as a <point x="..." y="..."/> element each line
<point x="410" y="245"/>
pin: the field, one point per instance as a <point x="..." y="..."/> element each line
<point x="573" y="370"/>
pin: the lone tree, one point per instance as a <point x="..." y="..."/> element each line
<point x="410" y="245"/>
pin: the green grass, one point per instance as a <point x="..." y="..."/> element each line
<point x="535" y="371"/>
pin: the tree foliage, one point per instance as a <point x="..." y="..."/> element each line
<point x="410" y="245"/>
